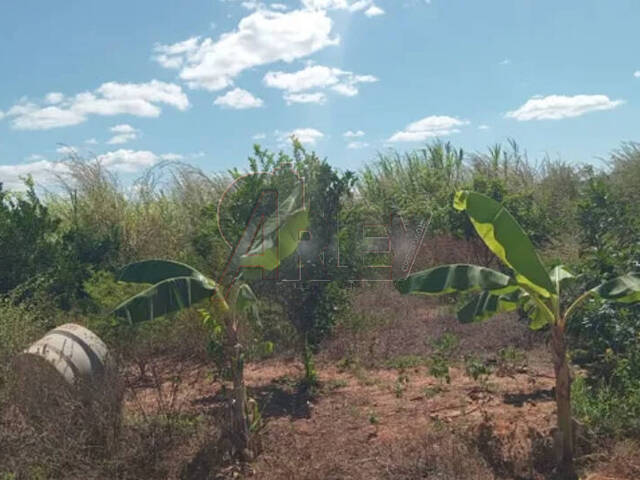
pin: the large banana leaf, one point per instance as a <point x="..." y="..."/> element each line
<point x="456" y="278"/>
<point x="166" y="296"/>
<point x="174" y="286"/>
<point x="624" y="289"/>
<point x="280" y="234"/>
<point x="487" y="304"/>
<point x="154" y="271"/>
<point x="506" y="239"/>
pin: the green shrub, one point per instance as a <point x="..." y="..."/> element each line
<point x="439" y="361"/>
<point x="406" y="361"/>
<point x="476" y="369"/>
<point x="609" y="401"/>
<point x="510" y="361"/>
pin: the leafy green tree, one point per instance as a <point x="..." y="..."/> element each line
<point x="529" y="285"/>
<point x="40" y="255"/>
<point x="28" y="235"/>
<point x="311" y="306"/>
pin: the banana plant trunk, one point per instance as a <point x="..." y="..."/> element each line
<point x="240" y="423"/>
<point x="564" y="442"/>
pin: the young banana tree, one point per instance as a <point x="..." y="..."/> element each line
<point x="529" y="285"/>
<point x="175" y="286"/>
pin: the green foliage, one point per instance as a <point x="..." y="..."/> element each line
<point x="312" y="307"/>
<point x="424" y="181"/>
<point x="510" y="361"/>
<point x="40" y="257"/>
<point x="105" y="291"/>
<point x="216" y="343"/>
<point x="476" y="369"/>
<point x="28" y="238"/>
<point x="503" y="235"/>
<point x="418" y="182"/>
<point x="401" y="384"/>
<point x="609" y="403"/>
<point x="59" y="253"/>
<point x="167" y="294"/>
<point x="333" y="305"/>
<point x="439" y="368"/>
<point x="606" y="334"/>
<point x="487" y="304"/>
<point x="273" y="334"/>
<point x="440" y="359"/>
<point x="456" y="278"/>
<point x="310" y="373"/>
<point x="446" y="344"/>
<point x="406" y="361"/>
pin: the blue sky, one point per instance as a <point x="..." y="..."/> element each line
<point x="139" y="81"/>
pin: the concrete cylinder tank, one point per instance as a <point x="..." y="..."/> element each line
<point x="76" y="353"/>
<point x="68" y="369"/>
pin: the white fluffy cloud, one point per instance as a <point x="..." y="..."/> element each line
<point x="171" y="56"/>
<point x="374" y="11"/>
<point x="42" y="171"/>
<point x="54" y="97"/>
<point x="251" y="4"/>
<point x="308" y="136"/>
<point x="30" y="116"/>
<point x="429" y="127"/>
<point x="260" y="136"/>
<point x="123" y="133"/>
<point x="128" y="161"/>
<point x="263" y="37"/>
<point x="352" y="134"/>
<point x="66" y="150"/>
<point x="238" y="99"/>
<point x="315" y="77"/>
<point x="357" y="145"/>
<point x="315" y="97"/>
<point x="555" y="107"/>
<point x="636" y="74"/>
<point x="175" y="156"/>
<point x="112" y="98"/>
<point x="350" y="5"/>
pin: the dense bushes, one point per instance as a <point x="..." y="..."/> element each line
<point x="607" y="337"/>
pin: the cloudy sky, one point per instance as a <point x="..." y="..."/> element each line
<point x="136" y="82"/>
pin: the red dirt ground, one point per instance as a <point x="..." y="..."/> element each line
<point x="359" y="416"/>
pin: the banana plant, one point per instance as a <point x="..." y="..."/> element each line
<point x="529" y="285"/>
<point x="173" y="286"/>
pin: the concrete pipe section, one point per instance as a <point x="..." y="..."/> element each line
<point x="74" y="351"/>
<point x="70" y="364"/>
<point x="67" y="384"/>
